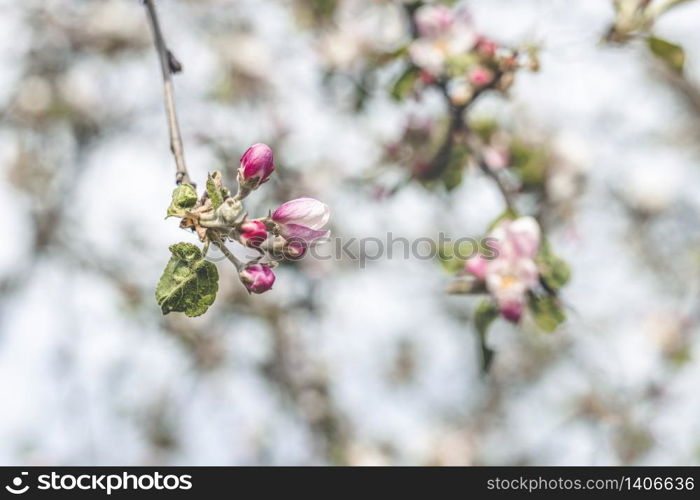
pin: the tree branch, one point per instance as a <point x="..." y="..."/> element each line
<point x="506" y="193"/>
<point x="457" y="124"/>
<point x="169" y="65"/>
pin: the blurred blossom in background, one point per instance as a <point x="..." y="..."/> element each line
<point x="335" y="364"/>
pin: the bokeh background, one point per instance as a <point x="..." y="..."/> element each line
<point x="337" y="364"/>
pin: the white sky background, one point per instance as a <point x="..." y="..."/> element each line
<point x="78" y="375"/>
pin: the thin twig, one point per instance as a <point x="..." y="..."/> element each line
<point x="224" y="249"/>
<point x="169" y="64"/>
<point x="688" y="90"/>
<point x="457" y="124"/>
<point x="506" y="193"/>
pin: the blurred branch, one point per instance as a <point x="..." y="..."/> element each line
<point x="169" y="65"/>
<point x="457" y="124"/>
<point x="442" y="158"/>
<point x="688" y="90"/>
<point x="507" y="194"/>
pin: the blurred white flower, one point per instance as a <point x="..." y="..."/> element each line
<point x="340" y="49"/>
<point x="443" y="36"/>
<point x="428" y="55"/>
<point x="118" y="20"/>
<point x="80" y="90"/>
<point x="651" y="190"/>
<point x="513" y="271"/>
<point x="246" y="53"/>
<point x="35" y="95"/>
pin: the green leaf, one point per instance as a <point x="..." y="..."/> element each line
<point x="530" y="163"/>
<point x="485" y="314"/>
<point x="323" y="10"/>
<point x="547" y="312"/>
<point x="554" y="272"/>
<point x="184" y="198"/>
<point x="214" y="189"/>
<point x="405" y="83"/>
<point x="466" y="286"/>
<point x="189" y="283"/>
<point x="458" y="65"/>
<point x="454" y="173"/>
<point x="670" y="53"/>
<point x="484" y="127"/>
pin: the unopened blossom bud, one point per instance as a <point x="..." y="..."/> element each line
<point x="253" y="233"/>
<point x="505" y="82"/>
<point x="295" y="249"/>
<point x="480" y="76"/>
<point x="512" y="310"/>
<point x="303" y="219"/>
<point x="486" y="48"/>
<point x="507" y="59"/>
<point x="257" y="165"/>
<point x="426" y="78"/>
<point x="496" y="158"/>
<point x="257" y="278"/>
<point x="476" y="266"/>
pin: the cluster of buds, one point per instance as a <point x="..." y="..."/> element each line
<point x="634" y="16"/>
<point x="218" y="216"/>
<point x="449" y="52"/>
<point x="513" y="272"/>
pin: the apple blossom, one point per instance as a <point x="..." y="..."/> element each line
<point x="476" y="266"/>
<point x="513" y="272"/>
<point x="257" y="165"/>
<point x="257" y="278"/>
<point x="253" y="233"/>
<point x="486" y="48"/>
<point x="303" y="220"/>
<point x="433" y="20"/>
<point x="518" y="238"/>
<point x="480" y="76"/>
<point x="444" y="34"/>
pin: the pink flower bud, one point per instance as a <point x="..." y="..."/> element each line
<point x="476" y="266"/>
<point x="257" y="165"/>
<point x="257" y="278"/>
<point x="480" y="76"/>
<point x="426" y="78"/>
<point x="303" y="219"/>
<point x="512" y="310"/>
<point x="253" y="233"/>
<point x="295" y="249"/>
<point x="496" y="158"/>
<point x="486" y="48"/>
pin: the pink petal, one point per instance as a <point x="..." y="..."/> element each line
<point x="301" y="233"/>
